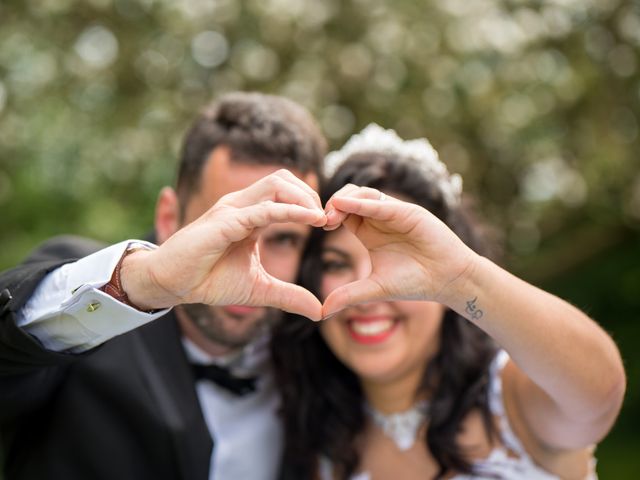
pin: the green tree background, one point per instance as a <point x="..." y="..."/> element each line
<point x="535" y="103"/>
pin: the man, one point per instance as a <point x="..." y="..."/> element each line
<point x="95" y="374"/>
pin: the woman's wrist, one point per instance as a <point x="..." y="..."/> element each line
<point x="465" y="293"/>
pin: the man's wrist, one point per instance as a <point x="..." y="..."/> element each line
<point x="127" y="283"/>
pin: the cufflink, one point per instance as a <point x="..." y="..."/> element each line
<point x="93" y="306"/>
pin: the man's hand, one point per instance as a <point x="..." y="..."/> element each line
<point x="215" y="259"/>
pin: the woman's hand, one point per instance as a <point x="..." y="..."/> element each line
<point x="565" y="398"/>
<point x="414" y="255"/>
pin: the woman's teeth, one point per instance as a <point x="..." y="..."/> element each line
<point x="371" y="328"/>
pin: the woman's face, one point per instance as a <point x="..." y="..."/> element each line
<point x="380" y="341"/>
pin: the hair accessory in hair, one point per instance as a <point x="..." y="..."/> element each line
<point x="374" y="138"/>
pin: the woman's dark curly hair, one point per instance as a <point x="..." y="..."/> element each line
<point x="322" y="399"/>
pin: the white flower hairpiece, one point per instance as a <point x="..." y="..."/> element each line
<point x="419" y="152"/>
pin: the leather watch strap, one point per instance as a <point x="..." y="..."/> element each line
<point x="114" y="286"/>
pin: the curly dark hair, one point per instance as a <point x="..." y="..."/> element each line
<point x="322" y="399"/>
<point x="258" y="128"/>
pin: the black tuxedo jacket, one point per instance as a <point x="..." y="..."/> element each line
<point x="125" y="410"/>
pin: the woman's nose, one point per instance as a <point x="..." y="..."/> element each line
<point x="370" y="308"/>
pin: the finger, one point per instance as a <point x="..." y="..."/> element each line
<point x="338" y="216"/>
<point x="355" y="191"/>
<point x="290" y="298"/>
<point x="360" y="291"/>
<point x="289" y="176"/>
<point x="349" y="187"/>
<point x="277" y="189"/>
<point x="268" y="213"/>
<point x="334" y="217"/>
<point x="380" y="209"/>
<point x="240" y="223"/>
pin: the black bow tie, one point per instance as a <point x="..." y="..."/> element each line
<point x="224" y="378"/>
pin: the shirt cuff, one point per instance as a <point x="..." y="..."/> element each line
<point x="67" y="312"/>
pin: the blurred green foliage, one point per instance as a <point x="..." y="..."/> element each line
<point x="535" y="103"/>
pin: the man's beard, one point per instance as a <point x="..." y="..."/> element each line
<point x="211" y="321"/>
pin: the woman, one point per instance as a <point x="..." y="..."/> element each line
<point x="434" y="362"/>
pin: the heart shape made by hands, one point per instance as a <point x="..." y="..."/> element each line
<point x="413" y="255"/>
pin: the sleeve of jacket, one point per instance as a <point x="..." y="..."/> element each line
<point x="28" y="371"/>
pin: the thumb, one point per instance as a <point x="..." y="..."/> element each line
<point x="290" y="298"/>
<point x="360" y="291"/>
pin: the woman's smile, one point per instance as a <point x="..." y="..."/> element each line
<point x="371" y="329"/>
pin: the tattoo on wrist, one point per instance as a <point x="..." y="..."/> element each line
<point x="473" y="310"/>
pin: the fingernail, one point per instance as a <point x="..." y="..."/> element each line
<point x="331" y="315"/>
<point x="322" y="221"/>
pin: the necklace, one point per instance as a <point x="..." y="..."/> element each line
<point x="402" y="428"/>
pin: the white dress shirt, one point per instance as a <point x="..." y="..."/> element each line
<point x="246" y="430"/>
<point x="67" y="312"/>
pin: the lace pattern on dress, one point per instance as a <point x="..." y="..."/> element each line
<point x="508" y="461"/>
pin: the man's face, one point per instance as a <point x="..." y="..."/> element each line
<point x="230" y="327"/>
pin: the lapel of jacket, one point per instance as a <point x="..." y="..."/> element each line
<point x="171" y="383"/>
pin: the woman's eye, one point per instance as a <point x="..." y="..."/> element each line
<point x="284" y="240"/>
<point x="334" y="266"/>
